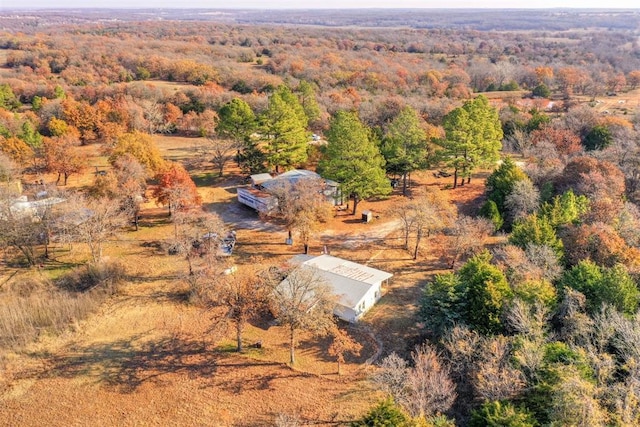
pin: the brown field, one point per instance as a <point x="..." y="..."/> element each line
<point x="163" y="85"/>
<point x="623" y="104"/>
<point x="148" y="357"/>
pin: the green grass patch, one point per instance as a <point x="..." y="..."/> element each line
<point x="207" y="179"/>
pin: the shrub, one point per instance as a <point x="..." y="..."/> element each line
<point x="104" y="277"/>
<point x="497" y="414"/>
<point x="490" y="211"/>
<point x="542" y="90"/>
<point x="384" y="414"/>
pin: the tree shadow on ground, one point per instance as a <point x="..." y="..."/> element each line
<point x="127" y="365"/>
<point x="207" y="179"/>
<point x="263" y="381"/>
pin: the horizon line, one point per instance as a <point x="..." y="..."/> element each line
<point x="47" y="8"/>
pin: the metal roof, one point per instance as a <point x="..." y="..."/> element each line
<point x="259" y="178"/>
<point x="291" y="177"/>
<point x="350" y="281"/>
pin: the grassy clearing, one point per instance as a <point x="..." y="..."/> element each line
<point x="35" y="305"/>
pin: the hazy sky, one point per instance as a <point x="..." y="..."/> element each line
<point x="318" y="4"/>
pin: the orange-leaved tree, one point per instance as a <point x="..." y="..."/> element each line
<point x="176" y="189"/>
<point x="62" y="157"/>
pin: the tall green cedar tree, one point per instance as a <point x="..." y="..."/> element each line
<point x="404" y="146"/>
<point x="473" y="138"/>
<point x="307" y="96"/>
<point x="284" y="127"/>
<point x="483" y="292"/>
<point x="600" y="285"/>
<point x="536" y="230"/>
<point x="353" y="159"/>
<point x="500" y="183"/>
<point x="8" y="100"/>
<point x="237" y="122"/>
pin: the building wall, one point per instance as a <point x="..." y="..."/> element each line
<point x="353" y="314"/>
<point x="261" y="204"/>
<point x="345" y="313"/>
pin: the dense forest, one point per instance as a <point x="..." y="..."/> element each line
<point x="532" y="319"/>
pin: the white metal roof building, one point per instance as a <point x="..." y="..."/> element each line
<point x="258" y="197"/>
<point x="358" y="287"/>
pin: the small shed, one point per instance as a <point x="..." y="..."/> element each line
<point x="367" y="216"/>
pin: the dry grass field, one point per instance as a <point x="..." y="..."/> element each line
<point x="622" y="104"/>
<point x="149" y="357"/>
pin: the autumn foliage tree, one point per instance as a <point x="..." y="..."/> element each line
<point x="176" y="189"/>
<point x="565" y="141"/>
<point x="16" y="149"/>
<point x="82" y="116"/>
<point x="341" y="344"/>
<point x="62" y="157"/>
<point x="140" y="146"/>
<point x="597" y="242"/>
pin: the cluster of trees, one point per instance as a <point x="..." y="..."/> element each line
<point x="538" y="330"/>
<point x="372" y="71"/>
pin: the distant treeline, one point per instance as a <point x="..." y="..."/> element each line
<point x="471" y="19"/>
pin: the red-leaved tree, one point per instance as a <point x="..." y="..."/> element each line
<point x="176" y="189"/>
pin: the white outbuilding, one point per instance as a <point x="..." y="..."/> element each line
<point x="358" y="287"/>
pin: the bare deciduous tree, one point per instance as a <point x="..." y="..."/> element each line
<point x="431" y="391"/>
<point x="518" y="142"/>
<point x="131" y="177"/>
<point x="575" y="324"/>
<point x="424" y="389"/>
<point x="221" y="151"/>
<point x="152" y="114"/>
<point x="303" y="207"/>
<point x="391" y="376"/>
<point x="524" y="199"/>
<point x="196" y="233"/>
<point x="8" y="169"/>
<point x="467" y="236"/>
<point x="528" y="320"/>
<point x="428" y="212"/>
<point x="287" y="420"/>
<point x="495" y="378"/>
<point x="433" y="212"/>
<point x="18" y="228"/>
<point x="536" y="262"/>
<point x="303" y="301"/>
<point x="91" y="221"/>
<point x="243" y="294"/>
